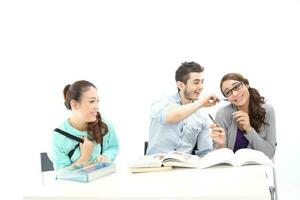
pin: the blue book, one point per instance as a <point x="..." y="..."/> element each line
<point x="86" y="172"/>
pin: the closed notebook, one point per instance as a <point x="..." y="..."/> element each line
<point x="86" y="172"/>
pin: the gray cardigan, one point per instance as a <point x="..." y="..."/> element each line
<point x="264" y="141"/>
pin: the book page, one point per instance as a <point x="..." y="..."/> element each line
<point x="250" y="156"/>
<point x="181" y="159"/>
<point x="219" y="156"/>
<point x="154" y="160"/>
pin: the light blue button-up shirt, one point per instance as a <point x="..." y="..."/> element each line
<point x="181" y="136"/>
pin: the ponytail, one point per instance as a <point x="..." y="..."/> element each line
<point x="97" y="129"/>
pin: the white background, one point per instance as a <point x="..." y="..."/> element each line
<point x="130" y="51"/>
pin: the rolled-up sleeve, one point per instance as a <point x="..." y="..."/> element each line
<point x="160" y="109"/>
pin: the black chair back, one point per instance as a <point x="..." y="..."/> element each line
<point x="46" y="163"/>
<point x="145" y="147"/>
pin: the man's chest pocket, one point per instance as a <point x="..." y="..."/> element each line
<point x="190" y="133"/>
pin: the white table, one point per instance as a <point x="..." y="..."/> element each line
<point x="219" y="182"/>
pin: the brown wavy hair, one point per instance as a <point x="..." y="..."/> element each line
<point x="97" y="129"/>
<point x="257" y="114"/>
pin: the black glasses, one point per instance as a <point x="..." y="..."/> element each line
<point x="235" y="87"/>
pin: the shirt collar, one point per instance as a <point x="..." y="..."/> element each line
<point x="177" y="98"/>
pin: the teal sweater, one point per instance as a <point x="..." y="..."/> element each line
<point x="62" y="145"/>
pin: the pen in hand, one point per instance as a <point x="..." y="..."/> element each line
<point x="212" y="119"/>
<point x="217" y="100"/>
<point x="222" y="99"/>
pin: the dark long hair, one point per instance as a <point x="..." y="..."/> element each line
<point x="257" y="114"/>
<point x="97" y="129"/>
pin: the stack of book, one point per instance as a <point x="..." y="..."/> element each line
<point x="164" y="162"/>
<point x="86" y="172"/>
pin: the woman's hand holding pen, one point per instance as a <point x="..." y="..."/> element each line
<point x="242" y="118"/>
<point x="218" y="135"/>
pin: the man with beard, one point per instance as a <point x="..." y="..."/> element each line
<point x="177" y="123"/>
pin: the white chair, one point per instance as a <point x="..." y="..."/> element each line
<point x="272" y="182"/>
<point x="274" y="188"/>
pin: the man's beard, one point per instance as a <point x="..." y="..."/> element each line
<point x="188" y="95"/>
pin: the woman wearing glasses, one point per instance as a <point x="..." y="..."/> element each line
<point x="247" y="122"/>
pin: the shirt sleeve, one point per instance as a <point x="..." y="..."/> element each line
<point x="160" y="108"/>
<point x="110" y="143"/>
<point x="204" y="141"/>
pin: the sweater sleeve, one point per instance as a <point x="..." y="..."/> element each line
<point x="220" y="118"/>
<point x="265" y="140"/>
<point x="58" y="153"/>
<point x="110" y="143"/>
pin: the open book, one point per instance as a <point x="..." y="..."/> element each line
<point x="86" y="172"/>
<point x="162" y="162"/>
<point x="239" y="158"/>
